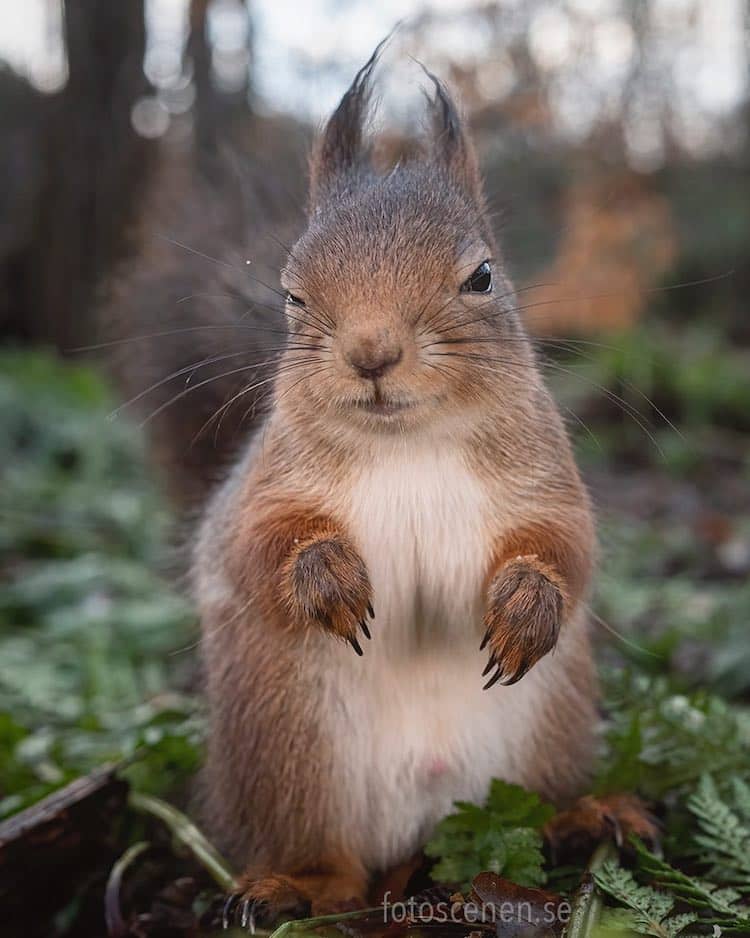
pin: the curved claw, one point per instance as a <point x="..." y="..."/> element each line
<point x="485" y="640"/>
<point x="515" y="678"/>
<point x="355" y="645"/>
<point x="613" y="822"/>
<point x="370" y="611"/>
<point x="489" y="666"/>
<point x="494" y="679"/>
<point x="365" y="629"/>
<point x="249" y="909"/>
<point x="227" y="913"/>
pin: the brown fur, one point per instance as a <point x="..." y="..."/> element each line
<point x="591" y="820"/>
<point x="300" y="567"/>
<point x="377" y="278"/>
<point x="338" y="885"/>
<point x="539" y="576"/>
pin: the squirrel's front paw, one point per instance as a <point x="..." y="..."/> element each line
<point x="328" y="586"/>
<point x="525" y="607"/>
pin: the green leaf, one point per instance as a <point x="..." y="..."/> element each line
<point x="652" y="908"/>
<point x="724" y="834"/>
<point x="502" y="836"/>
<point x="659" y="742"/>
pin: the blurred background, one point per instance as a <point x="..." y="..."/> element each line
<point x="614" y="134"/>
<point x="615" y="140"/>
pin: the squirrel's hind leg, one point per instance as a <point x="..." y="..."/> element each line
<point x="333" y="887"/>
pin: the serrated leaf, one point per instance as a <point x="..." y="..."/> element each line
<point x="502" y="836"/>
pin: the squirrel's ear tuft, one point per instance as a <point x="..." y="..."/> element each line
<point x="452" y="145"/>
<point x="340" y="148"/>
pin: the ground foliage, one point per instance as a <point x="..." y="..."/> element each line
<point x="90" y="632"/>
<point x="504" y="837"/>
<point x="98" y="642"/>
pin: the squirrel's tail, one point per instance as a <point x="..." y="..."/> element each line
<point x="193" y="324"/>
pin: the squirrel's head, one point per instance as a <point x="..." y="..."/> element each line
<point x="399" y="310"/>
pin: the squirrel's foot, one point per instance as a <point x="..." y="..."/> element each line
<point x="329" y="586"/>
<point x="262" y="900"/>
<point x="593" y="819"/>
<point x="522" y="621"/>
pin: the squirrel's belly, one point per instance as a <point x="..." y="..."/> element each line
<point x="413" y="728"/>
<point x="415" y="735"/>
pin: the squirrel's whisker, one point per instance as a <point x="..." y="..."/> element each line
<point x="188" y="369"/>
<point x="624" y="405"/>
<point x="170" y="377"/>
<point x="171" y="332"/>
<point x="207" y="257"/>
<point x="246" y="390"/>
<point x="195" y="387"/>
<point x="281" y="396"/>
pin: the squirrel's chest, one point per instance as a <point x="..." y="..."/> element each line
<point x="421" y="524"/>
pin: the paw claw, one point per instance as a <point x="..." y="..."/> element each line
<point x="489" y="666"/>
<point x="227" y="916"/>
<point x="250" y="908"/>
<point x="522" y="619"/>
<point x="521" y="672"/>
<point x="494" y="679"/>
<point x="365" y="629"/>
<point x="355" y="645"/>
<point x="370" y="611"/>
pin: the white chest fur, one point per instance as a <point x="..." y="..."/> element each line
<point x="413" y="728"/>
<point x="420" y="522"/>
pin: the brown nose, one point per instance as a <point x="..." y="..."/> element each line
<point x="373" y="362"/>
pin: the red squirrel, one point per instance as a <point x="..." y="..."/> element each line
<point x="392" y="575"/>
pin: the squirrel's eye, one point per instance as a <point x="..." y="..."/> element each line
<point x="295" y="300"/>
<point x="480" y="281"/>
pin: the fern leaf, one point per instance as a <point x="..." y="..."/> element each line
<point x="741" y="798"/>
<point x="676" y="924"/>
<point x="722" y="904"/>
<point x="651" y="907"/>
<point x="724" y="834"/>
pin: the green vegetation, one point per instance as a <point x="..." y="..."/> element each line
<point x="665" y="394"/>
<point x="716" y="846"/>
<point x="503" y="836"/>
<point x="91" y="636"/>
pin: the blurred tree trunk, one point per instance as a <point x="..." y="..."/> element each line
<point x="218" y="111"/>
<point x="198" y="51"/>
<point x="96" y="161"/>
<point x="94" y="165"/>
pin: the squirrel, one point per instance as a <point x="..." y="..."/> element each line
<point x="391" y="577"/>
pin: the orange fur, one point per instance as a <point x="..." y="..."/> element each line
<point x="591" y="820"/>
<point x="339" y="885"/>
<point x="535" y="581"/>
<point x="300" y="567"/>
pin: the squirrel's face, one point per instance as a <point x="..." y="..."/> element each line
<point x="398" y="309"/>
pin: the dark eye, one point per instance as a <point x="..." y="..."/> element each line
<point x="295" y="300"/>
<point x="480" y="281"/>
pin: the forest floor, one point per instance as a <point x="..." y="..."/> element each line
<point x="99" y="661"/>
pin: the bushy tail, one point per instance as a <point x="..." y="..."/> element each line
<point x="191" y="333"/>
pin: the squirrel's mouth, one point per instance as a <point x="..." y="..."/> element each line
<point x="385" y="406"/>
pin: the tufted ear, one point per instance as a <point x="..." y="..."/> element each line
<point x="340" y="149"/>
<point x="452" y="146"/>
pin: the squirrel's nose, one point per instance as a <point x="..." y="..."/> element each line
<point x="372" y="361"/>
